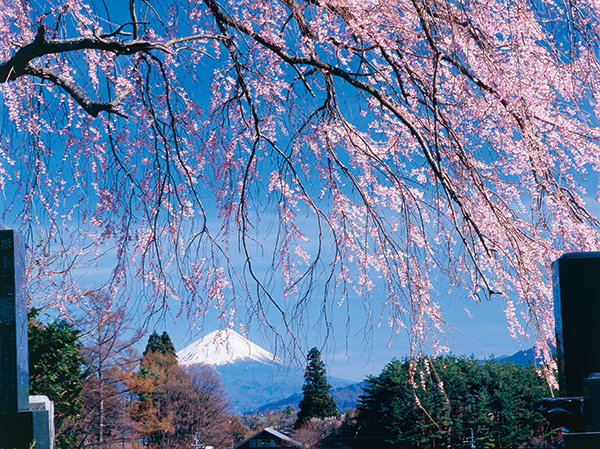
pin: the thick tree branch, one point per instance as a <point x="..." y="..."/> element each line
<point x="91" y="107"/>
<point x="20" y="63"/>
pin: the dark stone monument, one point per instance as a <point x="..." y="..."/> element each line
<point x="13" y="325"/>
<point x="576" y="283"/>
<point x="14" y="363"/>
<point x="20" y="424"/>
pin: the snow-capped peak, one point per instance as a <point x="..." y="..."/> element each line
<point x="221" y="348"/>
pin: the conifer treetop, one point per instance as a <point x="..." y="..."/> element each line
<point x="317" y="401"/>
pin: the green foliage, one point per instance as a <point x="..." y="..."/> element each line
<point x="160" y="343"/>
<point x="317" y="402"/>
<point x="57" y="370"/>
<point x="437" y="403"/>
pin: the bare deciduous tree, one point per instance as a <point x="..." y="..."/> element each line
<point x="109" y="350"/>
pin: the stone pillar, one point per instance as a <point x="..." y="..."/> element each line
<point x="576" y="281"/>
<point x="16" y="421"/>
<point x="42" y="409"/>
<point x="14" y="361"/>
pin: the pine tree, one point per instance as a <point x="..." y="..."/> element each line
<point x="493" y="401"/>
<point x="317" y="402"/>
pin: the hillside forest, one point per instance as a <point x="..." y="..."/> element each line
<point x="106" y="395"/>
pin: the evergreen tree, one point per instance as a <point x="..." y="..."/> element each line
<point x="160" y="343"/>
<point x="159" y="373"/>
<point x="57" y="370"/>
<point x="317" y="402"/>
<point x="448" y="399"/>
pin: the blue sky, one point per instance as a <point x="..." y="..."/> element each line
<point x="354" y="348"/>
<point x="353" y="351"/>
<point x="357" y="352"/>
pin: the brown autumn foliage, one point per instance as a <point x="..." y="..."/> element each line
<point x="174" y="406"/>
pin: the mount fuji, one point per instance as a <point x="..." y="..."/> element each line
<point x="224" y="347"/>
<point x="251" y="375"/>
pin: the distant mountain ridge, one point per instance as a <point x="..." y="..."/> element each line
<point x="345" y="398"/>
<point x="257" y="381"/>
<point x="251" y="375"/>
<point x="524" y="357"/>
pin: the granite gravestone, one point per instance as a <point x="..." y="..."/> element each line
<point x="576" y="281"/>
<point x="42" y="409"/>
<point x="14" y="368"/>
<point x="24" y="419"/>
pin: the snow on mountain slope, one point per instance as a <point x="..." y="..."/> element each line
<point x="250" y="375"/>
<point x="224" y="347"/>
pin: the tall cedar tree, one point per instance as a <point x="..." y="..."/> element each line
<point x="57" y="370"/>
<point x="317" y="402"/>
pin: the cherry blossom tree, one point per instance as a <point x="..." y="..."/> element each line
<point x="388" y="150"/>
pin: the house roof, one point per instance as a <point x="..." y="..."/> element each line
<point x="273" y="433"/>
